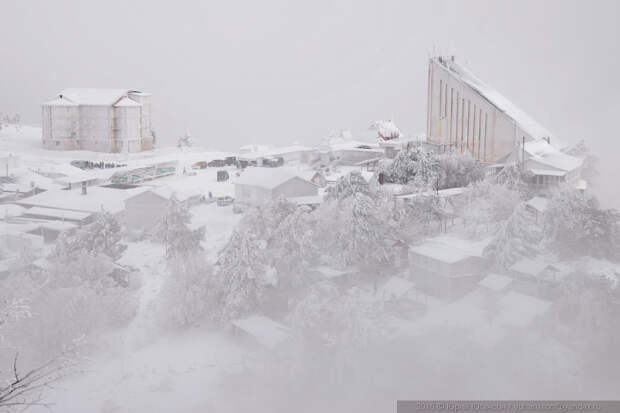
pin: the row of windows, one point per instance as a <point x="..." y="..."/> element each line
<point x="466" y="126"/>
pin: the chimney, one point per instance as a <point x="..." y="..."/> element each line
<point x="84" y="190"/>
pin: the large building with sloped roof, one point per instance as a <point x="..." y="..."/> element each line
<point x="466" y="115"/>
<point x="101" y="120"/>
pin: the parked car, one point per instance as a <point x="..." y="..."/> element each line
<point x="218" y="163"/>
<point x="222" y="176"/>
<point x="224" y="200"/>
<point x="230" y="160"/>
<point x="200" y="165"/>
<point x="274" y="162"/>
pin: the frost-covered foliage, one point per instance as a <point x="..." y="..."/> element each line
<point x="355" y="231"/>
<point x="328" y="317"/>
<point x="485" y="204"/>
<point x="174" y="230"/>
<point x="347" y="186"/>
<point x="102" y="236"/>
<point x="269" y="249"/>
<point x="83" y="291"/>
<point x="517" y="237"/>
<point x="416" y="164"/>
<point x="419" y="167"/>
<point x="187" y="295"/>
<point x="515" y="178"/>
<point x="581" y="150"/>
<point x="575" y="226"/>
<point x="458" y="170"/>
<point x="243" y="275"/>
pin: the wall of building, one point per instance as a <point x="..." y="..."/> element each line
<point x="96" y="128"/>
<point x="60" y="126"/>
<point x="295" y="187"/>
<point x="127" y="129"/>
<point x="252" y="195"/>
<point x="146" y="134"/>
<point x="144" y="211"/>
<point x="460" y="118"/>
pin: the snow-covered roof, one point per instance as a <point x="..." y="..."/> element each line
<point x="57" y="213"/>
<point x="395" y="287"/>
<point x="273" y="152"/>
<point x="89" y="96"/>
<point x="450" y="249"/>
<point x="60" y="101"/>
<point x="126" y="102"/>
<point x="541" y="151"/>
<point x="58" y="225"/>
<point x="98" y="198"/>
<point x="10" y="210"/>
<point x="495" y="282"/>
<point x="524" y="121"/>
<point x="268" y="178"/>
<point x="530" y="267"/>
<point x="538" y="203"/>
<point x="266" y="331"/>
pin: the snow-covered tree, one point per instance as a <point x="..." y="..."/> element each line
<point x="415" y="164"/>
<point x="517" y="237"/>
<point x="102" y="236"/>
<point x="243" y="275"/>
<point x="458" y="170"/>
<point x="348" y="185"/>
<point x="581" y="150"/>
<point x="575" y="226"/>
<point x="175" y="232"/>
<point x="355" y="232"/>
<point x="326" y="316"/>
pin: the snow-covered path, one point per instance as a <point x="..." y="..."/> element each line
<point x="151" y="370"/>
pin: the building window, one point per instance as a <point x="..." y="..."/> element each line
<point x="486" y="115"/>
<point x="451" y="111"/>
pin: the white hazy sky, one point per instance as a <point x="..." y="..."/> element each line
<point x="238" y="72"/>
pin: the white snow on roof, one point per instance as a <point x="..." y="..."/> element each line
<point x="266" y="331"/>
<point x="266" y="177"/>
<point x="87" y="96"/>
<point x="10" y="210"/>
<point x="57" y="213"/>
<point x="450" y="249"/>
<point x="98" y="198"/>
<point x="538" y="203"/>
<point x="495" y="282"/>
<point x="395" y="287"/>
<point x="530" y="266"/>
<point x="58" y="225"/>
<point x="541" y="151"/>
<point x="126" y="102"/>
<point x="60" y="101"/>
<point x="526" y="122"/>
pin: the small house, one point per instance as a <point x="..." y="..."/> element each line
<point x="257" y="186"/>
<point x="446" y="266"/>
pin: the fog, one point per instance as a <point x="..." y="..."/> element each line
<point x="141" y="316"/>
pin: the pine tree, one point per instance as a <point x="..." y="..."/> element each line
<point x="174" y="230"/>
<point x="243" y="275"/>
<point x="517" y="237"/>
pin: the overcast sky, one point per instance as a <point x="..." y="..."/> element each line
<point x="282" y="71"/>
